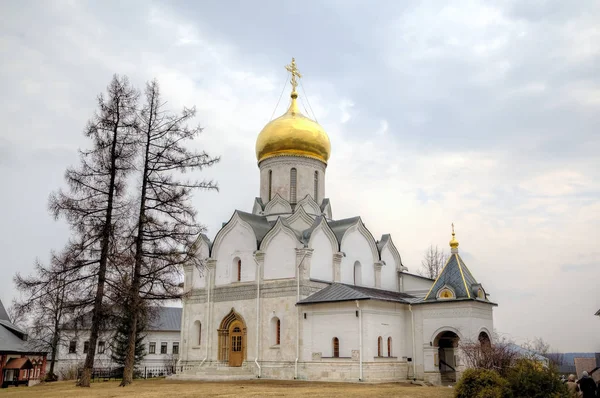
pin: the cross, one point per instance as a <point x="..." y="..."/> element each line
<point x="452" y="228"/>
<point x="295" y="73"/>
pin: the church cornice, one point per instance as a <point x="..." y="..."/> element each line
<point x="292" y="161"/>
<point x="275" y="201"/>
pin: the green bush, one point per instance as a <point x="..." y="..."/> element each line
<point x="481" y="383"/>
<point x="528" y="378"/>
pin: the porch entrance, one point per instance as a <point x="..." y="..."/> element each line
<point x="447" y="345"/>
<point x="232" y="339"/>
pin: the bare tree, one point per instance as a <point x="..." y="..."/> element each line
<point x="166" y="226"/>
<point x="484" y="354"/>
<point x="47" y="301"/>
<point x="433" y="262"/>
<point x="16" y="316"/>
<point x="541" y="347"/>
<point x="95" y="205"/>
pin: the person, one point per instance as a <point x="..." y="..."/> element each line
<point x="572" y="387"/>
<point x="587" y="385"/>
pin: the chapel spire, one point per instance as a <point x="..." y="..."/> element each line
<point x="453" y="242"/>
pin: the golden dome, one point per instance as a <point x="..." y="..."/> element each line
<point x="293" y="134"/>
<point x="453" y="241"/>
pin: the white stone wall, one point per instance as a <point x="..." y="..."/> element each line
<point x="280" y="256"/>
<point x="385" y="320"/>
<point x="389" y="272"/>
<point x="465" y="318"/>
<point x="415" y="284"/>
<point x="357" y="248"/>
<point x="321" y="267"/>
<point x="67" y="360"/>
<point x="280" y="167"/>
<point x="324" y="322"/>
<point x="239" y="242"/>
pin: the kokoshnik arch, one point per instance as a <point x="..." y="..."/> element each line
<point x="290" y="292"/>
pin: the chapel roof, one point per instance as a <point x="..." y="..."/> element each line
<point x="456" y="280"/>
<point x="337" y="292"/>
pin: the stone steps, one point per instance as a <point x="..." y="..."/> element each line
<point x="218" y="373"/>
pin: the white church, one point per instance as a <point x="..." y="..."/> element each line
<point x="289" y="292"/>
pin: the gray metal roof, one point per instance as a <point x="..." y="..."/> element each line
<point x="167" y="319"/>
<point x="341" y="292"/>
<point x="13" y="339"/>
<point x="3" y="313"/>
<point x="339" y="227"/>
<point x="457" y="276"/>
<point x="384" y="239"/>
<point x="324" y="203"/>
<point x="161" y="319"/>
<point x="259" y="224"/>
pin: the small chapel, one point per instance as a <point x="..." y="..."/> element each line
<point x="290" y="292"/>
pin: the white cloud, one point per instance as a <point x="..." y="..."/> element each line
<point x="529" y="219"/>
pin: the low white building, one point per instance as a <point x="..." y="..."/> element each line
<point x="290" y="292"/>
<point x="161" y="343"/>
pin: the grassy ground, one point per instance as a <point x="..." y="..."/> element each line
<point x="254" y="388"/>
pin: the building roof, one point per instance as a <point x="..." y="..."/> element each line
<point x="339" y="227"/>
<point x="167" y="319"/>
<point x="457" y="276"/>
<point x="259" y="224"/>
<point x="163" y="319"/>
<point x="4" y="315"/>
<point x="337" y="292"/>
<point x="18" y="363"/>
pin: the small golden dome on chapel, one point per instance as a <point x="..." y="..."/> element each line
<point x="293" y="134"/>
<point x="453" y="241"/>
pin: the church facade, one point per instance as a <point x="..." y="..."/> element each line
<point x="289" y="292"/>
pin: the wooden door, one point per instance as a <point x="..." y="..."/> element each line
<point x="236" y="344"/>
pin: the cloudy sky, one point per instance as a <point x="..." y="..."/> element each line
<point x="485" y="114"/>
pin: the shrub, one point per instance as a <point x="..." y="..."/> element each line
<point x="481" y="383"/>
<point x="529" y="378"/>
<point x="50" y="377"/>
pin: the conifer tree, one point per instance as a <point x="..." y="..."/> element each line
<point x="166" y="226"/>
<point x="120" y="340"/>
<point x="95" y="204"/>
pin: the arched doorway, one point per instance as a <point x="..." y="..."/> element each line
<point x="232" y="339"/>
<point x="447" y="346"/>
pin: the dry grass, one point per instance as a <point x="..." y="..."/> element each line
<point x="254" y="388"/>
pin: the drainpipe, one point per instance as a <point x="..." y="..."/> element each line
<point x="298" y="320"/>
<point x="208" y="280"/>
<point x="257" y="316"/>
<point x="412" y="318"/>
<point x="360" y="343"/>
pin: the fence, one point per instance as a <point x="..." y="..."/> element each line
<point x="145" y="372"/>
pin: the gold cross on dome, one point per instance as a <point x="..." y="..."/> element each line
<point x="295" y="73"/>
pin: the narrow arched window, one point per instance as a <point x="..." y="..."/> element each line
<point x="389" y="346"/>
<point x="316" y="186"/>
<point x="270" y="182"/>
<point x="199" y="333"/>
<point x="379" y="342"/>
<point x="278" y="332"/>
<point x="293" y="176"/>
<point x="239" y="270"/>
<point x="357" y="273"/>
<point x="336" y="347"/>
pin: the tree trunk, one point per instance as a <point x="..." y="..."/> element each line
<point x="97" y="315"/>
<point x="135" y="282"/>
